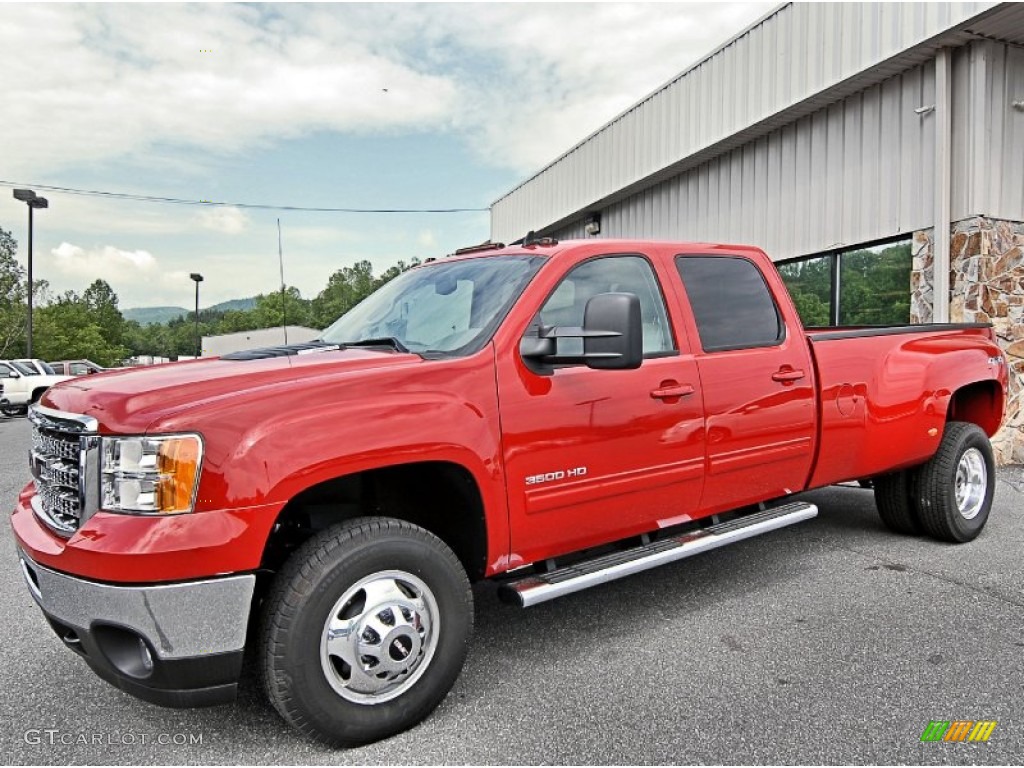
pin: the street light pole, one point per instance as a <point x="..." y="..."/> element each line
<point x="199" y="345"/>
<point x="33" y="201"/>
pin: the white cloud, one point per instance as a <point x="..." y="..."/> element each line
<point x="524" y="81"/>
<point x="224" y="218"/>
<point x="102" y="262"/>
<point x="136" y="97"/>
<point x="218" y="77"/>
<point x="136" y="275"/>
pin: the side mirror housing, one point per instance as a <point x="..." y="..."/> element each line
<point x="612" y="337"/>
<point x="622" y="346"/>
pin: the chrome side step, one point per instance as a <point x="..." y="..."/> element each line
<point x="538" y="588"/>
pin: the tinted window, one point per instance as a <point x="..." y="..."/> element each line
<point x="731" y="302"/>
<point x="609" y="274"/>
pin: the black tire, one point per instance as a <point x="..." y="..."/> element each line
<point x="894" y="499"/>
<point x="962" y="446"/>
<point x="306" y="594"/>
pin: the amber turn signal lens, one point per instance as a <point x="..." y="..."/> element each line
<point x="178" y="466"/>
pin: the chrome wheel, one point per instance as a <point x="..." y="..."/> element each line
<point x="379" y="637"/>
<point x="971" y="483"/>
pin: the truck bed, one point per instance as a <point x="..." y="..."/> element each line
<point x="885" y="392"/>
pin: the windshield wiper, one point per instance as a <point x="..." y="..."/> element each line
<point x="380" y="341"/>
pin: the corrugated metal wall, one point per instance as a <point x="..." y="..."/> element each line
<point x="996" y="130"/>
<point x="860" y="170"/>
<point x="855" y="171"/>
<point x="801" y="50"/>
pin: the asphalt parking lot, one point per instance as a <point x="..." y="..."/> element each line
<point x="829" y="642"/>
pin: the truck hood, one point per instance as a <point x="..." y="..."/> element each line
<point x="134" y="399"/>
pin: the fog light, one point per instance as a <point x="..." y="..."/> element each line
<point x="126" y="650"/>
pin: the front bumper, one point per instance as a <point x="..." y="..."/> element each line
<point x="177" y="645"/>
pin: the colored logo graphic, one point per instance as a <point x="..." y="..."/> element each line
<point x="959" y="730"/>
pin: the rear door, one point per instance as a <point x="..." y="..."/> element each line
<point x="757" y="379"/>
<point x="596" y="455"/>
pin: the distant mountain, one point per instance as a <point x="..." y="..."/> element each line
<point x="152" y="315"/>
<point x="233" y="304"/>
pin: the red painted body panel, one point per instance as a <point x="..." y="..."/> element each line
<point x="274" y="427"/>
<point x="133" y="549"/>
<point x="884" y="399"/>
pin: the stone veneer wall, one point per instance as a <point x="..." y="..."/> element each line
<point x="986" y="286"/>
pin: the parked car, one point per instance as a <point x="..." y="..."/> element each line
<point x="40" y="367"/>
<point x="76" y="367"/>
<point x="549" y="416"/>
<point x="23" y="385"/>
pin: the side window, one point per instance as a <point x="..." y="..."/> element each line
<point x="731" y="302"/>
<point x="609" y="274"/>
<point x="79" y="369"/>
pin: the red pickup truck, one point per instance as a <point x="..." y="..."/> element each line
<point x="549" y="415"/>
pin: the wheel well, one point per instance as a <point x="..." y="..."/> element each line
<point x="439" y="496"/>
<point x="980" y="403"/>
<point x="37" y="393"/>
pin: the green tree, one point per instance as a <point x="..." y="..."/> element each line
<point x="810" y="284"/>
<point x="68" y="328"/>
<point x="268" y="310"/>
<point x="348" y="286"/>
<point x="345" y="288"/>
<point x="874" y="287"/>
<point x="13" y="306"/>
<point x="101" y="301"/>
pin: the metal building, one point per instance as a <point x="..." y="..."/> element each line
<point x="226" y="343"/>
<point x="825" y="129"/>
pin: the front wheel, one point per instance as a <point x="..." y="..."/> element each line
<point x="365" y="631"/>
<point x="955" y="487"/>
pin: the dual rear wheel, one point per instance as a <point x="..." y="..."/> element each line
<point x="949" y="496"/>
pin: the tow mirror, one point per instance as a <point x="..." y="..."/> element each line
<point x="618" y="338"/>
<point x="612" y="337"/>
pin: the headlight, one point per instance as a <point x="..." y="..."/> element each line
<point x="156" y="475"/>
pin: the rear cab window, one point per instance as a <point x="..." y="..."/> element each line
<point x="732" y="304"/>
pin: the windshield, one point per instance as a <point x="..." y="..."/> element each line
<point x="450" y="308"/>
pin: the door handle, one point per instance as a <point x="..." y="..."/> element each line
<point x="672" y="390"/>
<point x="787" y="375"/>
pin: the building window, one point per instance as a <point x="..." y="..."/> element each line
<point x="869" y="285"/>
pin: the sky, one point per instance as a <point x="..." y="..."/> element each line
<point x="330" y="105"/>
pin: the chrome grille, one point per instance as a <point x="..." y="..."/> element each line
<point x="62" y="460"/>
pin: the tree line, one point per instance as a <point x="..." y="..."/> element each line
<point x="90" y="325"/>
<point x="874" y="287"/>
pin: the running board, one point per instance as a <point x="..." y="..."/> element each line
<point x="538" y="588"/>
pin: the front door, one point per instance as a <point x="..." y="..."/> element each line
<point x="595" y="455"/>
